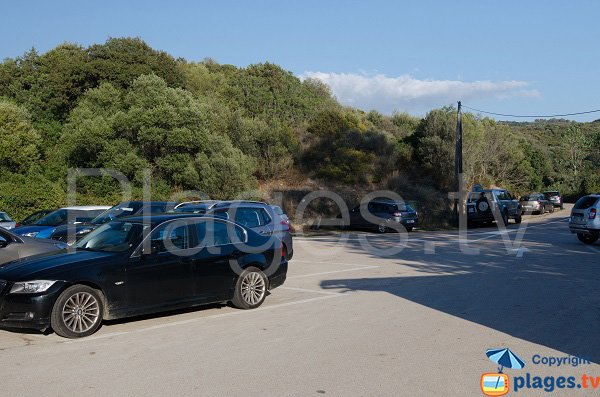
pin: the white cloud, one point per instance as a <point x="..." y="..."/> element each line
<point x="405" y="93"/>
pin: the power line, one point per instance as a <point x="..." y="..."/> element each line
<point x="538" y="116"/>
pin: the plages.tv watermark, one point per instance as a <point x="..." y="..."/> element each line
<point x="500" y="383"/>
<point x="395" y="243"/>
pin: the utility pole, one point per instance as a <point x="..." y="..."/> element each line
<point x="458" y="164"/>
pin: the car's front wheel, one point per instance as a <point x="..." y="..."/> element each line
<point x="588" y="238"/>
<point x="77" y="312"/>
<point x="519" y="217"/>
<point x="250" y="289"/>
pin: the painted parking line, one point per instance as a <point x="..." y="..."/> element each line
<point x="330" y="263"/>
<point x="199" y="319"/>
<point x="332" y="272"/>
<point x="312" y="291"/>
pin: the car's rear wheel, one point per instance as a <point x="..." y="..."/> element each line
<point x="250" y="289"/>
<point x="588" y="238"/>
<point x="77" y="312"/>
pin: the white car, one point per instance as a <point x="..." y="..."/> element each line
<point x="585" y="219"/>
<point x="6" y="222"/>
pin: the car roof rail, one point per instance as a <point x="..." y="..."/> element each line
<point x="225" y="202"/>
<point x="213" y="202"/>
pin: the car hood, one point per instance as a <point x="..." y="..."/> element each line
<point x="63" y="230"/>
<point x="51" y="265"/>
<point x="29" y="229"/>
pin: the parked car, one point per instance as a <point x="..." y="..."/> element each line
<point x="6" y="222"/>
<point x="536" y="202"/>
<point x="389" y="215"/>
<point x="36" y="216"/>
<point x="259" y="217"/>
<point x="555" y="197"/>
<point x="13" y="247"/>
<point x="585" y="219"/>
<point x="71" y="233"/>
<point x="139" y="265"/>
<point x="44" y="227"/>
<point x="488" y="205"/>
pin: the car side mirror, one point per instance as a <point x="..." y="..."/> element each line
<point x="3" y="242"/>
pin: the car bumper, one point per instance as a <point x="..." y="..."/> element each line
<point x="582" y="229"/>
<point x="406" y="222"/>
<point x="31" y="311"/>
<point x="280" y="275"/>
<point x="478" y="217"/>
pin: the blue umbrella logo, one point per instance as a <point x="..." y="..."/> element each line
<point x="504" y="358"/>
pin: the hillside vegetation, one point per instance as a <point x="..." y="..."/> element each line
<point x="225" y="130"/>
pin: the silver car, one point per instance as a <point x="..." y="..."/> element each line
<point x="263" y="218"/>
<point x="6" y="222"/>
<point x="585" y="219"/>
<point x="13" y="247"/>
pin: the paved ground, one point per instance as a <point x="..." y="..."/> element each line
<point x="350" y="322"/>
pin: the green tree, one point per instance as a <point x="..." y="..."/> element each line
<point x="18" y="151"/>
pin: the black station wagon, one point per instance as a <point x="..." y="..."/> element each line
<point x="137" y="265"/>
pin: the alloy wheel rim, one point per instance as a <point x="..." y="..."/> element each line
<point x="253" y="288"/>
<point x="81" y="312"/>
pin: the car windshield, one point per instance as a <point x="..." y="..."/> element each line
<point x="401" y="207"/>
<point x="585" y="202"/>
<point x="36" y="216"/>
<point x="4" y="217"/>
<point x="116" y="212"/>
<point x="115" y="236"/>
<point x="55" y="218"/>
<point x="475" y="196"/>
<point x="552" y="193"/>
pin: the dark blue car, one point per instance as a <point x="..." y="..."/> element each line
<point x="44" y="227"/>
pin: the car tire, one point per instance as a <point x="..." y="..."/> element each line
<point x="562" y="206"/>
<point x="77" y="312"/>
<point x="250" y="289"/>
<point x="519" y="217"/>
<point x="504" y="219"/>
<point x="588" y="238"/>
<point x="552" y="209"/>
<point x="409" y="228"/>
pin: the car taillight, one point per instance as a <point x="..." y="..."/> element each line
<point x="282" y="251"/>
<point x="286" y="224"/>
<point x="17" y="224"/>
<point x="398" y="214"/>
<point x="592" y="213"/>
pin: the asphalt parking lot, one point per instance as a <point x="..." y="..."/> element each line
<point x="354" y="318"/>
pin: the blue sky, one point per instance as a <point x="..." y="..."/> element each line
<point x="517" y="57"/>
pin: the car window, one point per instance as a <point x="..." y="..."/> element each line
<point x="265" y="217"/>
<point x="475" y="196"/>
<point x="114" y="237"/>
<point x="585" y="203"/>
<point x="171" y="235"/>
<point x="251" y="217"/>
<point x="157" y="209"/>
<point x="215" y="232"/>
<point x="4" y="217"/>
